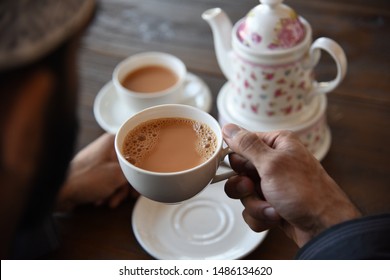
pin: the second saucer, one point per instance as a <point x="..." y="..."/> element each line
<point x="110" y="112"/>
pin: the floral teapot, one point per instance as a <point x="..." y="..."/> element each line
<point x="268" y="58"/>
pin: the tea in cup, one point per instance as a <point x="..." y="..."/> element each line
<point x="149" y="79"/>
<point x="169" y="153"/>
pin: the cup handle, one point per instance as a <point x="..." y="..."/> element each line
<point x="337" y="53"/>
<point x="228" y="173"/>
<point x="191" y="88"/>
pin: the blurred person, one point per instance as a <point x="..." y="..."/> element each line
<point x="280" y="183"/>
<point x="38" y="89"/>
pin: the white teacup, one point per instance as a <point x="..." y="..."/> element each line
<point x="172" y="187"/>
<point x="138" y="101"/>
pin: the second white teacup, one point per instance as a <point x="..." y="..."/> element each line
<point x="175" y="186"/>
<point x="154" y="78"/>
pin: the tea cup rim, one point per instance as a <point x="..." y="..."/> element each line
<point x="157" y="107"/>
<point x="119" y="67"/>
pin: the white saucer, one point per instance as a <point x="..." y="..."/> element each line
<point x="110" y="113"/>
<point x="208" y="226"/>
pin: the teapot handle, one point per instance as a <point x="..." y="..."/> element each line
<point x="337" y="53"/>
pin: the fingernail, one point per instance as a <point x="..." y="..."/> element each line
<point x="230" y="130"/>
<point x="271" y="213"/>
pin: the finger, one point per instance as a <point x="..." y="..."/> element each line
<point x="260" y="210"/>
<point x="98" y="149"/>
<point x="245" y="143"/>
<point x="238" y="187"/>
<point x="243" y="166"/>
<point x="133" y="193"/>
<point x="280" y="140"/>
<point x="105" y="179"/>
<point x="110" y="175"/>
<point x="119" y="196"/>
<point x="255" y="224"/>
<point x="106" y="143"/>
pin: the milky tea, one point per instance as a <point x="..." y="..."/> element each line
<point x="149" y="79"/>
<point x="169" y="144"/>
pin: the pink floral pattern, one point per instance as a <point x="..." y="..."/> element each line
<point x="256" y="38"/>
<point x="289" y="32"/>
<point x="270" y="91"/>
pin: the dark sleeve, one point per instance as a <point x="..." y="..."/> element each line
<point x="34" y="242"/>
<point x="363" y="239"/>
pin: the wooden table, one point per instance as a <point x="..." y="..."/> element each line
<point x="358" y="110"/>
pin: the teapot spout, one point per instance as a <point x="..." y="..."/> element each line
<point x="221" y="27"/>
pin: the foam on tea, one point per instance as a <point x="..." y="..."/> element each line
<point x="169" y="144"/>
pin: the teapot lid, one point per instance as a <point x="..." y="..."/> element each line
<point x="271" y="26"/>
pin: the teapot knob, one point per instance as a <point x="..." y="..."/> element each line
<point x="271" y="3"/>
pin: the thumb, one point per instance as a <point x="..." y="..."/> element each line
<point x="244" y="142"/>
